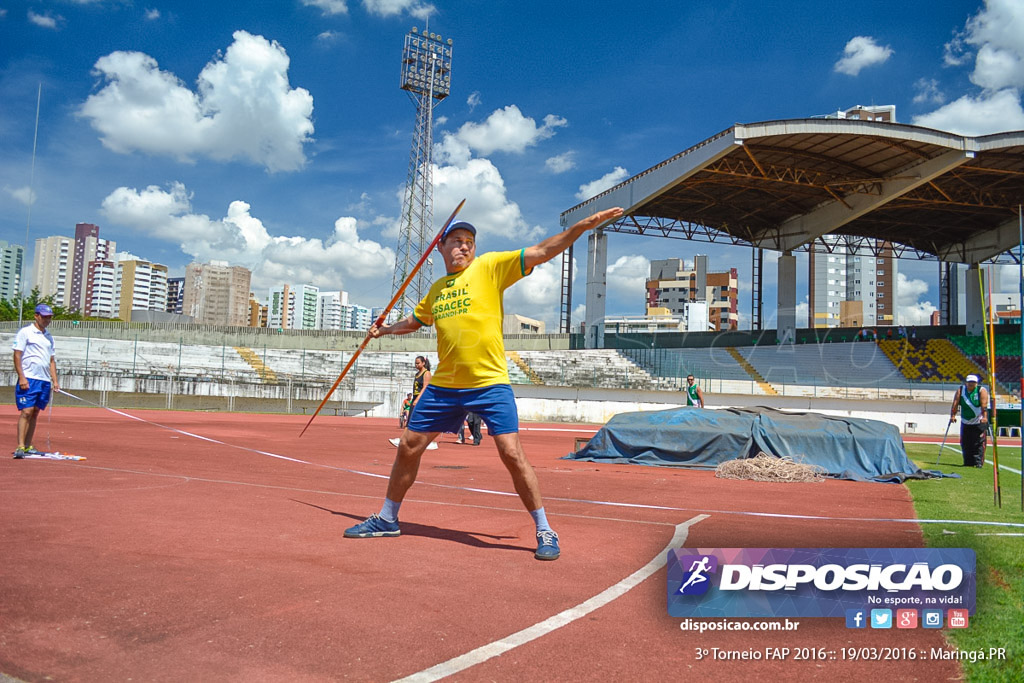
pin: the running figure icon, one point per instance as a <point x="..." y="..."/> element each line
<point x="697" y="573"/>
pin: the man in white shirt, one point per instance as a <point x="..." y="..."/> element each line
<point x="36" y="365"/>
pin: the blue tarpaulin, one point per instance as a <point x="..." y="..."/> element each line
<point x="845" y="447"/>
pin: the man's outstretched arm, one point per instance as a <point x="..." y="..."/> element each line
<point x="551" y="247"/>
<point x="404" y="326"/>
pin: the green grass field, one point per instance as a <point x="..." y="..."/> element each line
<point x="999" y="617"/>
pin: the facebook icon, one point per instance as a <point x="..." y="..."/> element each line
<point x="856" y="618"/>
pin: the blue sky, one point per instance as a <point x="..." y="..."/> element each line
<point x="274" y="134"/>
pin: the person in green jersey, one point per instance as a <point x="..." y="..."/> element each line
<point x="972" y="402"/>
<point x="694" y="396"/>
<point x="466" y="308"/>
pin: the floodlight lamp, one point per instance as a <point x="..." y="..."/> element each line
<point x="449" y="41"/>
<point x="413" y="29"/>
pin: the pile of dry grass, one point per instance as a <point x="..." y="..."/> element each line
<point x="764" y="467"/>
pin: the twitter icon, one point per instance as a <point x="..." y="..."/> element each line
<point x="881" y="618"/>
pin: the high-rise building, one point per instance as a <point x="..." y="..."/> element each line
<point x="11" y="258"/>
<point x="175" y="294"/>
<point x="101" y="280"/>
<point x="116" y="287"/>
<point x="851" y="290"/>
<point x="141" y="286"/>
<point x="217" y="294"/>
<point x="330" y="308"/>
<point x="293" y="308"/>
<point x="257" y="312"/>
<point x="61" y="264"/>
<point x="304" y="307"/>
<point x="88" y="247"/>
<point x="52" y="266"/>
<point x="674" y="284"/>
<point x="278" y="307"/>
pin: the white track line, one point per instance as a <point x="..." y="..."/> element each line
<point x="500" y="647"/>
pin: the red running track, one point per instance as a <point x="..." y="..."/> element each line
<point x="166" y="558"/>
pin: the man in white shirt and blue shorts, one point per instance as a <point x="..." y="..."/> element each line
<point x="36" y="365"/>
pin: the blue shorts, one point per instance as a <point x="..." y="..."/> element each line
<point x="36" y="396"/>
<point x="444" y="410"/>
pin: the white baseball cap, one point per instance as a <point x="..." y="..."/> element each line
<point x="971" y="378"/>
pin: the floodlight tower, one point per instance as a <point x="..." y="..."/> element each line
<point x="426" y="76"/>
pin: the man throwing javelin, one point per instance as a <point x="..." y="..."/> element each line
<point x="36" y="365"/>
<point x="466" y="308"/>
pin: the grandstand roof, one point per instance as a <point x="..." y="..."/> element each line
<point x="783" y="185"/>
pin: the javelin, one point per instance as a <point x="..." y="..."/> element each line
<point x="380" y="320"/>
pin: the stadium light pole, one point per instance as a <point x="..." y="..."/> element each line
<point x="426" y="77"/>
<point x="1020" y="265"/>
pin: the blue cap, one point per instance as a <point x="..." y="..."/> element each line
<point x="461" y="225"/>
<point x="43" y="309"/>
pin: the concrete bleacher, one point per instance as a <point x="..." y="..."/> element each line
<point x="826" y="365"/>
<point x="709" y="362"/>
<point x="594" y="368"/>
<point x="832" y="370"/>
<point x="150" y="358"/>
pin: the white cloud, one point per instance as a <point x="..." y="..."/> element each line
<point x="861" y="52"/>
<point x="487" y="205"/>
<point x="473" y="100"/>
<point x="561" y="163"/>
<point x="23" y="195"/>
<point x="910" y="310"/>
<point x="998" y="33"/>
<point x="44" y="20"/>
<point x="803" y="312"/>
<point x="627" y="277"/>
<point x="242" y="239"/>
<point x="328" y="36"/>
<point x="981" y="115"/>
<point x="579" y="314"/>
<point x="928" y="92"/>
<point x="608" y="180"/>
<point x="244" y="107"/>
<point x="152" y="14"/>
<point x="505" y="130"/>
<point x="392" y="8"/>
<point x="3" y="12"/>
<point x="459" y="174"/>
<point x="956" y="52"/>
<point x="328" y="7"/>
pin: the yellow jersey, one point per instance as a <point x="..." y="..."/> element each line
<point x="467" y="310"/>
